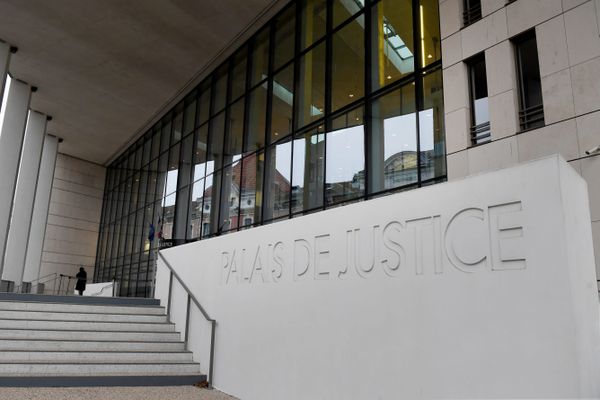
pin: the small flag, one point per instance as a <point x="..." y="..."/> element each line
<point x="160" y="234"/>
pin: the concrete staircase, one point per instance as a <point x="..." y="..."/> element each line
<point x="81" y="341"/>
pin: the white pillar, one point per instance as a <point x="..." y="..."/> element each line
<point x="20" y="223"/>
<point x="37" y="231"/>
<point x="4" y="59"/>
<point x="11" y="141"/>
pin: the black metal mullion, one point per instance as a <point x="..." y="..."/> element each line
<point x="368" y="107"/>
<point x="268" y="121"/>
<point x="296" y="86"/>
<point x="328" y="93"/>
<point x="418" y="79"/>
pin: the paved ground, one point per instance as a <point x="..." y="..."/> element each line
<point x="113" y="393"/>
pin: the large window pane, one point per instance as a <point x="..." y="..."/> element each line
<point x="345" y="158"/>
<point x="278" y="179"/>
<point x="189" y="114"/>
<point x="392" y="41"/>
<point x="177" y="124"/>
<point x="283" y="101"/>
<point x="210" y="213"/>
<point x="156" y="141"/>
<point x="235" y="135"/>
<point x="203" y="111"/>
<point x="344" y="9"/>
<point x="165" y="137"/>
<point x="230" y="197"/>
<point x="393" y="140"/>
<point x="220" y="88"/>
<point x="311" y="86"/>
<point x="217" y="133"/>
<point x="308" y="170"/>
<point x="348" y="64"/>
<point x="260" y="57"/>
<point x="257" y="116"/>
<point x="168" y="217"/>
<point x="430" y="31"/>
<point x="431" y="128"/>
<point x="313" y="21"/>
<point x="238" y="74"/>
<point x="195" y="213"/>
<point x="200" y="148"/>
<point x="284" y="36"/>
<point x="252" y="189"/>
<point x="173" y="170"/>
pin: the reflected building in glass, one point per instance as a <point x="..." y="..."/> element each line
<point x="332" y="102"/>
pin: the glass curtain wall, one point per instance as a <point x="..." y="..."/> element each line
<point x="333" y="101"/>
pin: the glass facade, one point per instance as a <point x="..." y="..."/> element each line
<point x="333" y="101"/>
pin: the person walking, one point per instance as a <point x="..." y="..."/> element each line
<point x="81" y="280"/>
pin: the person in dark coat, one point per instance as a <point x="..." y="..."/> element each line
<point x="81" y="280"/>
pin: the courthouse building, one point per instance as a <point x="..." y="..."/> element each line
<point x="235" y="141"/>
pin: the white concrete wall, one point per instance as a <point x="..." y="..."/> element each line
<point x="426" y="294"/>
<point x="74" y="217"/>
<point x="568" y="40"/>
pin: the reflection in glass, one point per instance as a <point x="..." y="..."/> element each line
<point x="308" y="169"/>
<point x="210" y="213"/>
<point x="217" y="133"/>
<point x="283" y="101"/>
<point x="233" y="141"/>
<point x="348" y="64"/>
<point x="230" y="197"/>
<point x="344" y="9"/>
<point x="200" y="148"/>
<point x="393" y="141"/>
<point x="431" y="128"/>
<point x="257" y="116"/>
<point x="196" y="208"/>
<point x="284" y="37"/>
<point x="252" y="188"/>
<point x="392" y="41"/>
<point x="173" y="170"/>
<point x="313" y="22"/>
<point x="345" y="167"/>
<point x="260" y="57"/>
<point x="278" y="177"/>
<point x="311" y="87"/>
<point x="168" y="216"/>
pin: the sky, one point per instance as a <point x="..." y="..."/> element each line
<point x="4" y="102"/>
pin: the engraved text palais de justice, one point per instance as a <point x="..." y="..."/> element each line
<point x="419" y="246"/>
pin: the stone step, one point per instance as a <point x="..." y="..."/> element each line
<point x="72" y="316"/>
<point x="86" y="326"/>
<point x="62" y="334"/>
<point x="116" y="357"/>
<point x="97" y="369"/>
<point x="88" y="345"/>
<point x="80" y="308"/>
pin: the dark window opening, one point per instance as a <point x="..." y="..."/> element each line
<point x="472" y="11"/>
<point x="480" y="111"/>
<point x="531" y="107"/>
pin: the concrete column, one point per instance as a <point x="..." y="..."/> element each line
<point x="11" y="141"/>
<point x="39" y="218"/>
<point x="16" y="248"/>
<point x="4" y="59"/>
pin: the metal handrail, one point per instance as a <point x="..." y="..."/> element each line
<point x="191" y="297"/>
<point x="16" y="289"/>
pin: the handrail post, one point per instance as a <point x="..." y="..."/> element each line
<point x="212" y="354"/>
<point x="169" y="296"/>
<point x="187" y="321"/>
